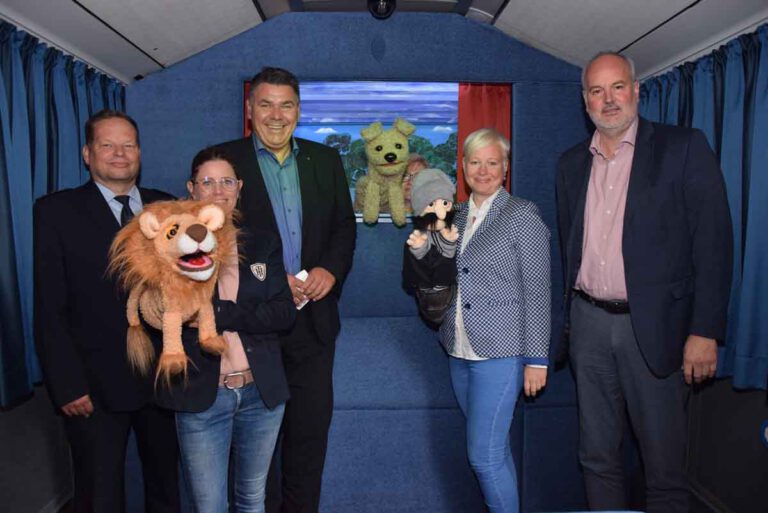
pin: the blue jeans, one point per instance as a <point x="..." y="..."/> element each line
<point x="237" y="420"/>
<point x="487" y="392"/>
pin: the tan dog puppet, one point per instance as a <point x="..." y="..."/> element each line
<point x="168" y="258"/>
<point x="381" y="189"/>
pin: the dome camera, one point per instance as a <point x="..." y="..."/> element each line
<point x="381" y="9"/>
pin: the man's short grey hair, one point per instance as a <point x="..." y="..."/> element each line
<point x="626" y="59"/>
<point x="482" y="138"/>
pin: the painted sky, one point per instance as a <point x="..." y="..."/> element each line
<point x="337" y="107"/>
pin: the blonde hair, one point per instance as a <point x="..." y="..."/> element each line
<point x="482" y="138"/>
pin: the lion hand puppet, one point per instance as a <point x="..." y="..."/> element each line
<point x="168" y="259"/>
<point x="381" y="189"/>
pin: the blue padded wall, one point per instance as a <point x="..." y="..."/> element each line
<point x="198" y="101"/>
<point x="547" y="119"/>
<point x="397" y="438"/>
<point x="373" y="287"/>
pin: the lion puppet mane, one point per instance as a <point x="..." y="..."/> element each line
<point x="167" y="259"/>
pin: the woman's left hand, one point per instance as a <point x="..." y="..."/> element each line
<point x="534" y="379"/>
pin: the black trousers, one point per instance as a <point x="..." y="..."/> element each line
<point x="613" y="382"/>
<point x="98" y="444"/>
<point x="295" y="477"/>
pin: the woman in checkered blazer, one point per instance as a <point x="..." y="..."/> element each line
<point x="496" y="332"/>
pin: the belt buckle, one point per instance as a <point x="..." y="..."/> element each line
<point x="240" y="375"/>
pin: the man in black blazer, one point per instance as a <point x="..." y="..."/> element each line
<point x="80" y="327"/>
<point x="297" y="188"/>
<point x="646" y="237"/>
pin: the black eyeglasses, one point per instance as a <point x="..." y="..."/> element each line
<point x="227" y="182"/>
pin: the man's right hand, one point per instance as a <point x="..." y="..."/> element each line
<point x="82" y="406"/>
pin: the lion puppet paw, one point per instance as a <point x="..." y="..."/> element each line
<point x="171" y="364"/>
<point x="214" y="345"/>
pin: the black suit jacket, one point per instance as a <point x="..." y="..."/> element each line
<point x="80" y="323"/>
<point x="677" y="240"/>
<point x="328" y="226"/>
<point x="264" y="307"/>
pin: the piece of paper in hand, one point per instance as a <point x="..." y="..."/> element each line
<point x="302" y="275"/>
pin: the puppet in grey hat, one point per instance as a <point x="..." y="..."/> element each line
<point x="432" y="201"/>
<point x="429" y="263"/>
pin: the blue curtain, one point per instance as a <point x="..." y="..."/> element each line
<point x="704" y="98"/>
<point x="660" y="100"/>
<point x="650" y="101"/>
<point x="747" y="360"/>
<point x="725" y="94"/>
<point x="45" y="98"/>
<point x="16" y="279"/>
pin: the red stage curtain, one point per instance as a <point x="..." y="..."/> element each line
<point x="246" y="119"/>
<point x="482" y="106"/>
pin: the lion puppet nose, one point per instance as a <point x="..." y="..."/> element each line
<point x="197" y="232"/>
<point x="390" y="157"/>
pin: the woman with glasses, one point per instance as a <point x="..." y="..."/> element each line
<point x="231" y="407"/>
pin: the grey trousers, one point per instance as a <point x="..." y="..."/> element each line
<point x="613" y="380"/>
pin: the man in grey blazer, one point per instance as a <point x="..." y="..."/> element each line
<point x="645" y="234"/>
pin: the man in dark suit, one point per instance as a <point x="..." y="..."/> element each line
<point x="80" y="327"/>
<point x="645" y="232"/>
<point x="297" y="189"/>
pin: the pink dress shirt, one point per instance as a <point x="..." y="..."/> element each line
<point x="601" y="274"/>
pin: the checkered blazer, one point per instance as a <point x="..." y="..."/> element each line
<point x="504" y="280"/>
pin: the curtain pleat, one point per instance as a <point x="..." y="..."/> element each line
<point x="95" y="91"/>
<point x="685" y="116"/>
<point x="718" y="76"/>
<point x="115" y="93"/>
<point x="22" y="192"/>
<point x="650" y="101"/>
<point x="38" y="118"/>
<point x="673" y="100"/>
<point x="80" y="99"/>
<point x="44" y="102"/>
<point x="703" y="99"/>
<point x="731" y="151"/>
<point x="67" y="147"/>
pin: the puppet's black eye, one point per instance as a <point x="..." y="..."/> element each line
<point x="445" y="203"/>
<point x="379" y="147"/>
<point x="432" y="204"/>
<point x="172" y="232"/>
<point x="399" y="146"/>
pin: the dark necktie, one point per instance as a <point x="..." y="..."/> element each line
<point x="126" y="214"/>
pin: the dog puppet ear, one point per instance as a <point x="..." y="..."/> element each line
<point x="372" y="132"/>
<point x="212" y="217"/>
<point x="149" y="225"/>
<point x="404" y="127"/>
